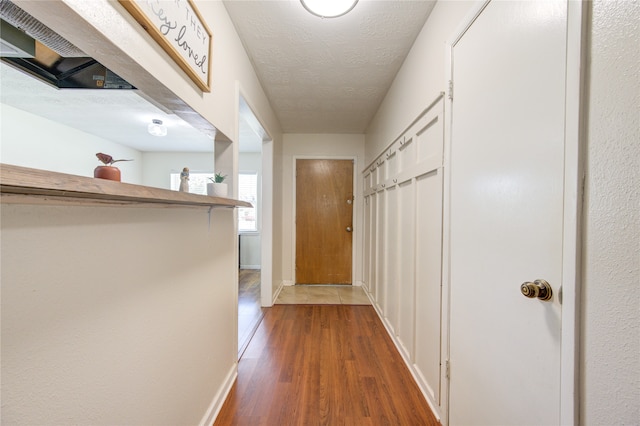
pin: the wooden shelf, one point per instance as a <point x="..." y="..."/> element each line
<point x="17" y="182"/>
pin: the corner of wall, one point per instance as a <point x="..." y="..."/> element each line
<point x="218" y="400"/>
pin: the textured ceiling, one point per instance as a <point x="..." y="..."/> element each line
<point x="327" y="75"/>
<point x="320" y="75"/>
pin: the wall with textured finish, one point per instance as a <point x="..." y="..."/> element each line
<point x="610" y="388"/>
<point x="610" y="335"/>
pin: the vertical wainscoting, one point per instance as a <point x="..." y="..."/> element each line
<point x="403" y="201"/>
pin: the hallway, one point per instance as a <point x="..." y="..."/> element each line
<point x="323" y="364"/>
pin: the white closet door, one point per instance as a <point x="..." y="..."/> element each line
<point x="507" y="195"/>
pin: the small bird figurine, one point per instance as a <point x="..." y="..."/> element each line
<point x="107" y="159"/>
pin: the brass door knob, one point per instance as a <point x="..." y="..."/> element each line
<point x="538" y="289"/>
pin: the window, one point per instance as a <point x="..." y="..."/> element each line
<point x="197" y="182"/>
<point x="248" y="191"/>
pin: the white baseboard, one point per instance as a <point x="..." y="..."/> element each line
<point x="277" y="292"/>
<point x="250" y="266"/>
<point x="215" y="406"/>
<point x="287" y="282"/>
<point x="359" y="283"/>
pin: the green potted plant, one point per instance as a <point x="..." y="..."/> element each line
<point x="217" y="187"/>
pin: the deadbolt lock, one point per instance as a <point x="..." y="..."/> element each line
<point x="538" y="289"/>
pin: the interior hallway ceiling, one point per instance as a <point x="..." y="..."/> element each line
<point x="327" y="75"/>
<point x="320" y="76"/>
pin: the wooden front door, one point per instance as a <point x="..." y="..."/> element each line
<point x="324" y="221"/>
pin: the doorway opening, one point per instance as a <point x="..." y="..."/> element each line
<point x="254" y="233"/>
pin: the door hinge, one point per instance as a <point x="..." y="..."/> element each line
<point x="447" y="369"/>
<point x="451" y="89"/>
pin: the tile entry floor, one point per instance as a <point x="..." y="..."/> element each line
<point x="322" y="295"/>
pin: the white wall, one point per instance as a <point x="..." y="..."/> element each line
<point x="318" y="146"/>
<point x="143" y="335"/>
<point x="420" y="79"/>
<point x="29" y="140"/>
<point x="610" y="388"/>
<point x="115" y="315"/>
<point x="158" y="166"/>
<point x="250" y="250"/>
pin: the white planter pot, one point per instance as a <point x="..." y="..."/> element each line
<point x="217" y="189"/>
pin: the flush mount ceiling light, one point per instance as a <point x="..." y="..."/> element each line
<point x="329" y="8"/>
<point x="156" y="128"/>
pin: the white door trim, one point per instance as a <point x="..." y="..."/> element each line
<point x="267" y="296"/>
<point x="474" y="12"/>
<point x="573" y="194"/>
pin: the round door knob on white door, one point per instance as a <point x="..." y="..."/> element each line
<point x="538" y="289"/>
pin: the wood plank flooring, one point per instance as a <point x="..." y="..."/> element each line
<point x="250" y="311"/>
<point x="323" y="365"/>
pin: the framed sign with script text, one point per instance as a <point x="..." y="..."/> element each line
<point x="176" y="25"/>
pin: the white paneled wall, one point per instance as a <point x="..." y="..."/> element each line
<point x="428" y="297"/>
<point x="403" y="199"/>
